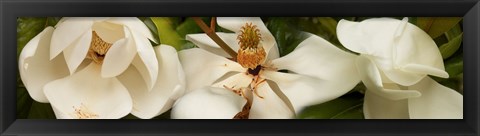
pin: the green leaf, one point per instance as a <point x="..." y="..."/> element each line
<point x="166" y="32"/>
<point x="448" y="49"/>
<point x="286" y="37"/>
<point x="27" y="28"/>
<point x="41" y="111"/>
<point x="349" y="106"/>
<point x="24" y="102"/>
<point x="454" y="65"/>
<point x="436" y="26"/>
<point x="148" y="22"/>
<point x="454" y="32"/>
<point x="329" y="24"/>
<point x="190" y="27"/>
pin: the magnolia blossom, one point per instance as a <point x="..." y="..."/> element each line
<point x="253" y="86"/>
<point x="101" y="68"/>
<point x="395" y="59"/>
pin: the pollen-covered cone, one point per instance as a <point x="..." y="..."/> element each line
<point x="395" y="59"/>
<point x="100" y="68"/>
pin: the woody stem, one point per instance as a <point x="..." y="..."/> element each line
<point x="211" y="33"/>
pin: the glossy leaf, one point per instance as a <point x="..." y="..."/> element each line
<point x="286" y="37"/>
<point x="24" y="102"/>
<point x="190" y="27"/>
<point x="448" y="49"/>
<point x="27" y="28"/>
<point x="349" y="106"/>
<point x="166" y="32"/>
<point x="436" y="26"/>
<point x="41" y="111"/>
<point x="454" y="65"/>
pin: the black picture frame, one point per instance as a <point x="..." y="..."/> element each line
<point x="11" y="9"/>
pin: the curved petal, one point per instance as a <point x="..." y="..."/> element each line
<point x="268" y="41"/>
<point x="76" y="53"/>
<point x="270" y="106"/>
<point x="35" y="67"/>
<point x="379" y="107"/>
<point x="145" y="60"/>
<point x="318" y="58"/>
<point x="67" y="32"/>
<point x="203" y="68"/>
<point x="208" y="103"/>
<point x="206" y="43"/>
<point x="134" y="24"/>
<point x="303" y="91"/>
<point x="147" y="56"/>
<point x="109" y="32"/>
<point x="86" y="94"/>
<point x="119" y="56"/>
<point x="403" y="77"/>
<point x="372" y="36"/>
<point x="415" y="47"/>
<point x="372" y="79"/>
<point x="323" y="72"/>
<point x="403" y="51"/>
<point x="436" y="102"/>
<point x="237" y="81"/>
<point x="415" y="55"/>
<point x="169" y="86"/>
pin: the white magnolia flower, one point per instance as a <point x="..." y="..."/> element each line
<point x="101" y="68"/>
<point x="220" y="87"/>
<point x="395" y="59"/>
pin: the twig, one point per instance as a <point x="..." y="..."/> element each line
<point x="211" y="33"/>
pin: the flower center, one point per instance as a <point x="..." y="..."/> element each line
<point x="98" y="48"/>
<point x="83" y="112"/>
<point x="251" y="54"/>
<point x="255" y="71"/>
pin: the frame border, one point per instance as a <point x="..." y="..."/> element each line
<point x="11" y="9"/>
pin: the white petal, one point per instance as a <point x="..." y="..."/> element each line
<point x="415" y="55"/>
<point x="324" y="73"/>
<point x="270" y="106"/>
<point x="236" y="81"/>
<point x="147" y="57"/>
<point x="137" y="34"/>
<point x="436" y="102"/>
<point x="208" y="103"/>
<point x="169" y="86"/>
<point x="403" y="51"/>
<point x="372" y="36"/>
<point x="106" y="98"/>
<point x="206" y="43"/>
<point x="134" y="24"/>
<point x="403" y="77"/>
<point x="372" y="79"/>
<point x="203" y="68"/>
<point x="378" y="107"/>
<point x="268" y="41"/>
<point x="67" y="32"/>
<point x="119" y="56"/>
<point x="318" y="58"/>
<point x="109" y="32"/>
<point x="303" y="91"/>
<point x="76" y="53"/>
<point x="35" y="67"/>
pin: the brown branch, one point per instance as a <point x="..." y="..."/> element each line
<point x="212" y="23"/>
<point x="211" y="33"/>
